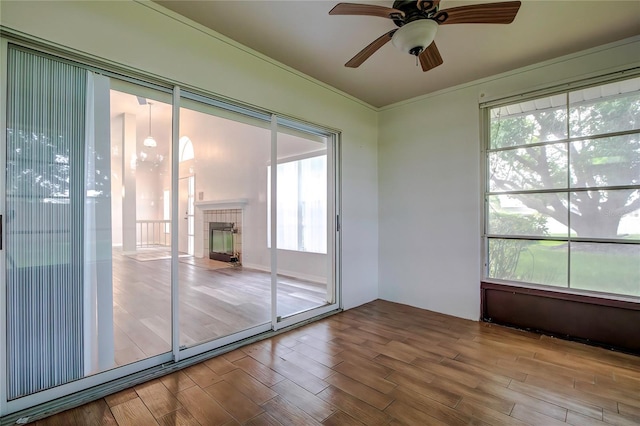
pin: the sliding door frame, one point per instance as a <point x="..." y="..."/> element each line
<point x="276" y="323"/>
<point x="333" y="218"/>
<point x="175" y="185"/>
<point x="274" y="221"/>
<point x="109" y="381"/>
<point x="4" y="49"/>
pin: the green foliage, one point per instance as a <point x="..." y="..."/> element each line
<point x="602" y="268"/>
<point x="505" y="254"/>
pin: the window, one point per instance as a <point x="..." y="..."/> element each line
<point x="302" y="205"/>
<point x="562" y="196"/>
<point x="185" y="149"/>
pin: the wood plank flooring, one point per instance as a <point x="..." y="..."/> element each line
<point x="215" y="300"/>
<point x="387" y="364"/>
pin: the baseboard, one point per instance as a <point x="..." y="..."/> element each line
<point x="313" y="278"/>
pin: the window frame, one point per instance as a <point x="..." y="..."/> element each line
<point x="485" y="191"/>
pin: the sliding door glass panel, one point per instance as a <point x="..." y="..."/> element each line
<point x="140" y="227"/>
<point x="224" y="269"/>
<point x="304" y="279"/>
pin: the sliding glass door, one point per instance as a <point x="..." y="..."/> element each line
<point x="142" y="227"/>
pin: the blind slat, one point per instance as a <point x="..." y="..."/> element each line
<point x="45" y="178"/>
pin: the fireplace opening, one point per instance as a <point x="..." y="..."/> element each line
<point x="221" y="241"/>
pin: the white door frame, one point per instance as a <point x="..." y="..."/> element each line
<point x="184" y="215"/>
<point x="3" y="253"/>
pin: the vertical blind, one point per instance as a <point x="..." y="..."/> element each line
<point x="45" y="184"/>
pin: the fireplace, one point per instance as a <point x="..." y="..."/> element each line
<point x="230" y="211"/>
<point x="221" y="241"/>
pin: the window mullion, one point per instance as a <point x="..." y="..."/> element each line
<point x="568" y="124"/>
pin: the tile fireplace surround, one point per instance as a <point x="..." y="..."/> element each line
<point x="217" y="211"/>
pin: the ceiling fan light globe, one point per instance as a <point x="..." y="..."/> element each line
<point x="416" y="34"/>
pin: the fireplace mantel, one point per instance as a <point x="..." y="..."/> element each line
<point x="238" y="203"/>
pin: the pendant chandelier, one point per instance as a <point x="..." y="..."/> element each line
<point x="149" y="141"/>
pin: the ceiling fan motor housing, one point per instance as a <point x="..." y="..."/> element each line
<point x="412" y="12"/>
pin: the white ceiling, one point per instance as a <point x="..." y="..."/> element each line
<point x="302" y="35"/>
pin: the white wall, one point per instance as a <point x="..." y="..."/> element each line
<point x="149" y="38"/>
<point x="429" y="214"/>
<point x="429" y="179"/>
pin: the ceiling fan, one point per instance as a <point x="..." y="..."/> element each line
<point x="418" y="22"/>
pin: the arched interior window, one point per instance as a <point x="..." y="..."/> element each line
<point x="186" y="149"/>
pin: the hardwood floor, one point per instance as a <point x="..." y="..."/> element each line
<point x="216" y="299"/>
<point x="385" y="363"/>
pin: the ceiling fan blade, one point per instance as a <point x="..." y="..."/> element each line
<point x="365" y="10"/>
<point x="372" y="48"/>
<point x="430" y="57"/>
<point x="488" y="13"/>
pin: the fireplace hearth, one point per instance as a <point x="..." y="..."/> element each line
<point x="221" y="241"/>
